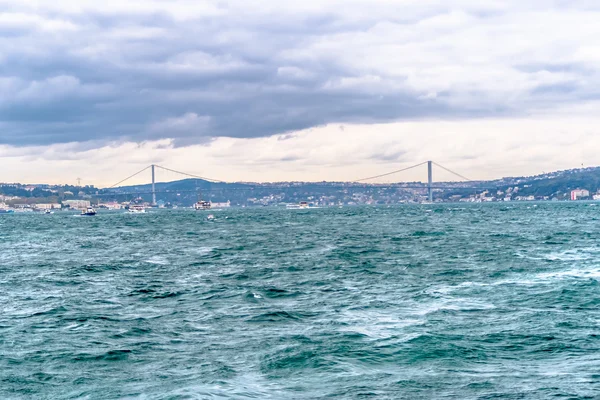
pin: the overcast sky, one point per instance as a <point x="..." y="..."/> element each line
<point x="312" y="90"/>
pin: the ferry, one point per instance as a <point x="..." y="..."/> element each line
<point x="137" y="209"/>
<point x="202" y="205"/>
<point x="88" y="212"/>
<point x="300" y="206"/>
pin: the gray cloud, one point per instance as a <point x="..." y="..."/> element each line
<point x="193" y="71"/>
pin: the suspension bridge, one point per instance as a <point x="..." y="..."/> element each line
<point x="430" y="186"/>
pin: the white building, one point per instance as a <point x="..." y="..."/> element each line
<point x="579" y="193"/>
<point x="80" y="204"/>
<point x="47" y="206"/>
<point x="111" y="205"/>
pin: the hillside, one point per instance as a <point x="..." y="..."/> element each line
<point x="554" y="185"/>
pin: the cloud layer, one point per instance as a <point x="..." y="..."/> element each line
<point x="478" y="149"/>
<point x="100" y="72"/>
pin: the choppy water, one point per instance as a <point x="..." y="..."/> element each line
<point x="465" y="302"/>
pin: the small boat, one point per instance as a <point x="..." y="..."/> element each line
<point x="202" y="205"/>
<point x="6" y="211"/>
<point x="137" y="209"/>
<point x="88" y="212"/>
<point x="210" y="217"/>
<point x="300" y="206"/>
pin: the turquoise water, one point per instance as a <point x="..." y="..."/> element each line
<point x="449" y="301"/>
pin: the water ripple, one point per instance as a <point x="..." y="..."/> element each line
<point x="469" y="302"/>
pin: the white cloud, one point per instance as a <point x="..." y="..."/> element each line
<point x="10" y="20"/>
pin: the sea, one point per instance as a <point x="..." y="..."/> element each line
<point x="448" y="301"/>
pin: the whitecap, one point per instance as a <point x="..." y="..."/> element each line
<point x="327" y="248"/>
<point x="202" y="250"/>
<point x="454" y="305"/>
<point x="159" y="260"/>
<point x="568" y="255"/>
<point x="376" y="324"/>
<point x="573" y="273"/>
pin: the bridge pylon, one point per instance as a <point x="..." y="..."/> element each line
<point x="430" y="180"/>
<point x="153" y="188"/>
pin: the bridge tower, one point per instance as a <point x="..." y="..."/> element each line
<point x="153" y="188"/>
<point x="430" y="180"/>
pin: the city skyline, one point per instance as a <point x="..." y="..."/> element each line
<point x="263" y="91"/>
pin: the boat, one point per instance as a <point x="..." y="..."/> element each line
<point x="48" y="212"/>
<point x="210" y="217"/>
<point x="137" y="209"/>
<point x="6" y="211"/>
<point x="300" y="206"/>
<point x="88" y="212"/>
<point x="202" y="205"/>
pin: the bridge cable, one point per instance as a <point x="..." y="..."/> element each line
<point x="190" y="175"/>
<point x="452" y="172"/>
<point x="389" y="173"/>
<point x="129" y="177"/>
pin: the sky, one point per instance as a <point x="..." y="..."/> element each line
<point x="246" y="90"/>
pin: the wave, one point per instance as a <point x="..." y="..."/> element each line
<point x="280" y="316"/>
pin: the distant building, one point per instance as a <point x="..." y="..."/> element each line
<point x="525" y="198"/>
<point x="110" y="206"/>
<point x="47" y="206"/>
<point x="80" y="204"/>
<point x="221" y="205"/>
<point x="579" y="193"/>
<point x="8" y="198"/>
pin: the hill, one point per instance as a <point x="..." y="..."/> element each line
<point x="555" y="185"/>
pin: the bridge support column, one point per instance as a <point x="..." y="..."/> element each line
<point x="430" y="180"/>
<point x="153" y="188"/>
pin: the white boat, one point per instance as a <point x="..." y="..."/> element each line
<point x="300" y="206"/>
<point x="137" y="209"/>
<point x="210" y="217"/>
<point x="48" y="212"/>
<point x="202" y="205"/>
<point x="88" y="212"/>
